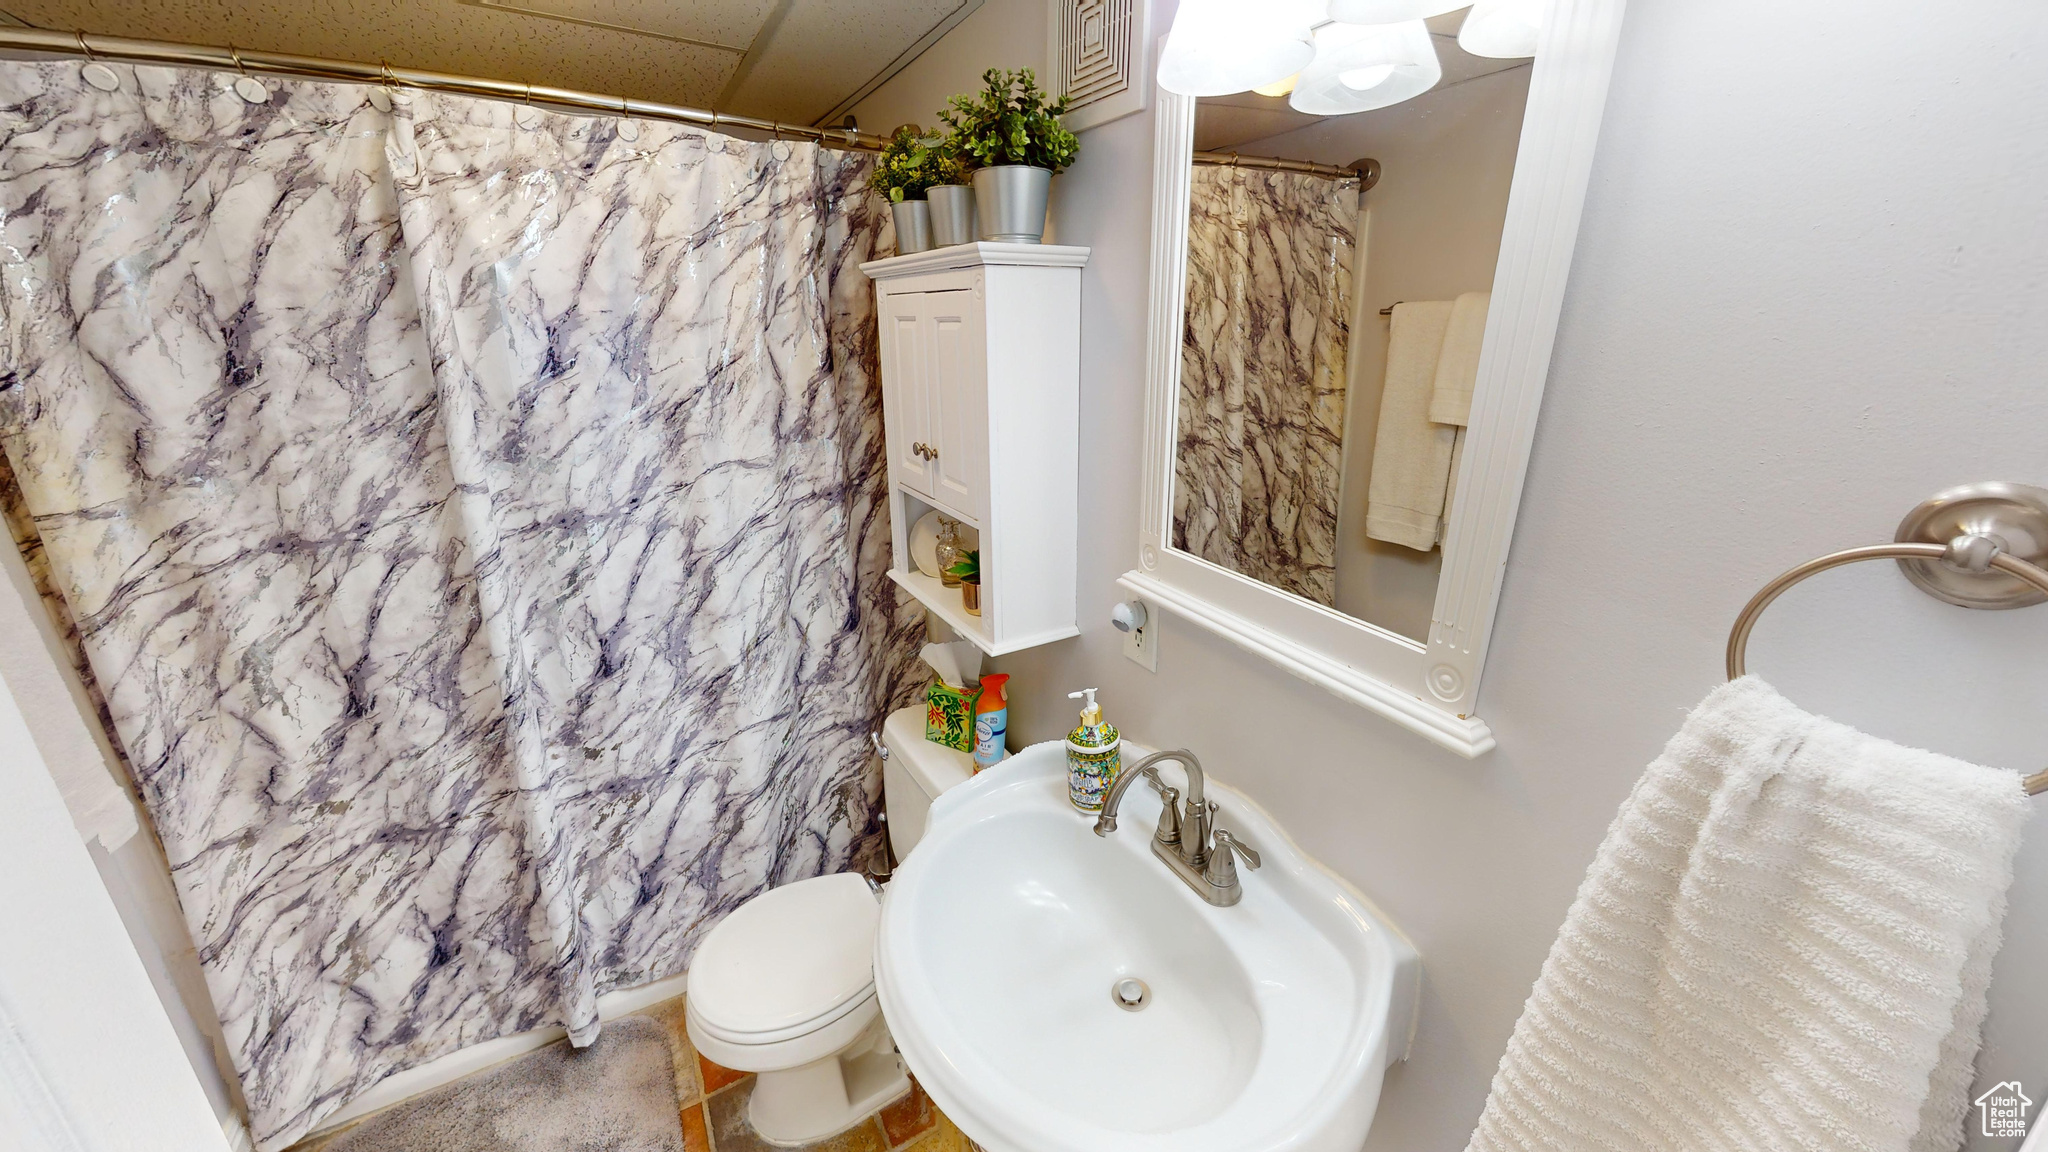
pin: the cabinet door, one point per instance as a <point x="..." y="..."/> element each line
<point x="956" y="381"/>
<point x="906" y="391"/>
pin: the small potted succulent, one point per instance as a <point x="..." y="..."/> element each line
<point x="914" y="162"/>
<point x="1014" y="138"/>
<point x="968" y="569"/>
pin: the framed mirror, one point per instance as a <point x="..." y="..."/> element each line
<point x="1355" y="284"/>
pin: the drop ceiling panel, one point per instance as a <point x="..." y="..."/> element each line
<point x="442" y="35"/>
<point x="825" y="54"/>
<point x="793" y="60"/>
<point x="731" y="24"/>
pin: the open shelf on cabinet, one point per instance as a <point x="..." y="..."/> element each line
<point x="944" y="603"/>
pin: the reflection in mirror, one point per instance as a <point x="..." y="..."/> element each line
<point x="1333" y="323"/>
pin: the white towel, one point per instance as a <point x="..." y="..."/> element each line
<point x="1783" y="943"/>
<point x="1411" y="457"/>
<point x="1457" y="366"/>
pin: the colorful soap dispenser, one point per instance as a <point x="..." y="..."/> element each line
<point x="1094" y="755"/>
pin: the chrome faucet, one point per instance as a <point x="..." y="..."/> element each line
<point x="1189" y="842"/>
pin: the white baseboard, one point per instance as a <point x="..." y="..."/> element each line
<point x="402" y="1086"/>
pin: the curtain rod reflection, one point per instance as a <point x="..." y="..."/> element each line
<point x="1366" y="171"/>
<point x="231" y="59"/>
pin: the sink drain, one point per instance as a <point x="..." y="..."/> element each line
<point x="1130" y="994"/>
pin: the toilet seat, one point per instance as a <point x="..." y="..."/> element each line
<point x="791" y="962"/>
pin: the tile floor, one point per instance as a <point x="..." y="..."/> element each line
<point x="714" y="1104"/>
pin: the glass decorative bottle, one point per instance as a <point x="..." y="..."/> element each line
<point x="948" y="551"/>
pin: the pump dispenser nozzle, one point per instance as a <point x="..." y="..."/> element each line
<point x="1091" y="712"/>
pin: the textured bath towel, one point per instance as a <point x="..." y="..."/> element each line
<point x="1783" y="943"/>
<point x="1411" y="457"/>
<point x="1457" y="366"/>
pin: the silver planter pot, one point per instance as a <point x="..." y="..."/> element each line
<point x="952" y="214"/>
<point x="1010" y="200"/>
<point x="913" y="226"/>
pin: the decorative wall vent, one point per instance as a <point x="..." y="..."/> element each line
<point x="1098" y="55"/>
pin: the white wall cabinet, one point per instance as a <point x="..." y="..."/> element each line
<point x="981" y="393"/>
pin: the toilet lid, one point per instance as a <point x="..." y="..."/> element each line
<point x="788" y="957"/>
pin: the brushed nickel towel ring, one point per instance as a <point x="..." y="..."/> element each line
<point x="1977" y="546"/>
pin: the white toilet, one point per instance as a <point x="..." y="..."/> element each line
<point x="785" y="986"/>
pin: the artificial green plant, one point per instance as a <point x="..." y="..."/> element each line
<point x="967" y="568"/>
<point x="1010" y="122"/>
<point x="913" y="162"/>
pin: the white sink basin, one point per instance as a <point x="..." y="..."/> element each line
<point x="1268" y="1026"/>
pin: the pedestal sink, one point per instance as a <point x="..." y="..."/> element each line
<point x="1056" y="991"/>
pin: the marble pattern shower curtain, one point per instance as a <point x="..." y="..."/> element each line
<point x="472" y="517"/>
<point x="1260" y="438"/>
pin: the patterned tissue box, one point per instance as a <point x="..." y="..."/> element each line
<point x="949" y="715"/>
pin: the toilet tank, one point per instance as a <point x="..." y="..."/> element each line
<point x="913" y="774"/>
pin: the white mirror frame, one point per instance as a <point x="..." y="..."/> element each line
<point x="1427" y="687"/>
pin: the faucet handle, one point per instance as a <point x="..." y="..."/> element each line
<point x="1221" y="872"/>
<point x="1224" y="840"/>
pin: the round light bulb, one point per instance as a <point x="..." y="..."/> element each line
<point x="1360" y="79"/>
<point x="1280" y="89"/>
<point x="1360" y="67"/>
<point x="1391" y="11"/>
<point x="1220" y="47"/>
<point x="1502" y="29"/>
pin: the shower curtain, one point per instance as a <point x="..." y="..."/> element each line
<point x="1260" y="443"/>
<point x="472" y="517"/>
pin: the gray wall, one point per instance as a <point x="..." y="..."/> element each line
<point x="1809" y="292"/>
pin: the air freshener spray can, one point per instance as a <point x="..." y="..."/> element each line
<point x="991" y="722"/>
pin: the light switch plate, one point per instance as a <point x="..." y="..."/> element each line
<point x="1141" y="645"/>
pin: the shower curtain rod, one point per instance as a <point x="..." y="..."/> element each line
<point x="1366" y="172"/>
<point x="232" y="59"/>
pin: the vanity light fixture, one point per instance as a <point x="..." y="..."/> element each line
<point x="1221" y="47"/>
<point x="1359" y="67"/>
<point x="1503" y="29"/>
<point x="1391" y="11"/>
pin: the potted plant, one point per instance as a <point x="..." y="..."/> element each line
<point x="968" y="569"/>
<point x="912" y="163"/>
<point x="1015" y="139"/>
<point x="953" y="220"/>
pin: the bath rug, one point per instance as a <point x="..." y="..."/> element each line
<point x="618" y="1095"/>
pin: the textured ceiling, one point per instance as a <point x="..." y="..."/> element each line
<point x="1223" y="122"/>
<point x="794" y="60"/>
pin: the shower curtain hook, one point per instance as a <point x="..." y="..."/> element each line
<point x="249" y="88"/>
<point x="382" y="96"/>
<point x="94" y="73"/>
